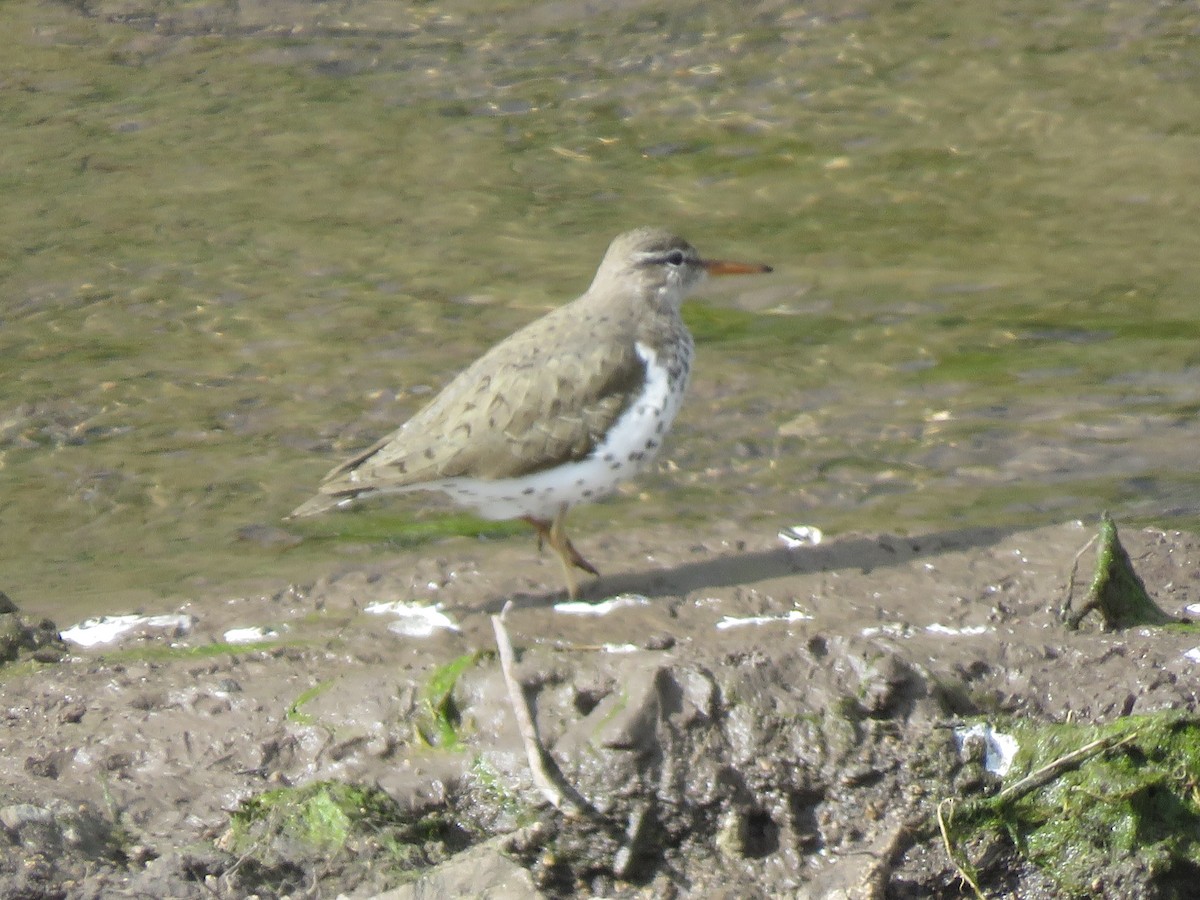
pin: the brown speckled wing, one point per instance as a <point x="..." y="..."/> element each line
<point x="544" y="396"/>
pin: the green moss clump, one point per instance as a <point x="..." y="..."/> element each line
<point x="492" y="792"/>
<point x="333" y="817"/>
<point x="1137" y="796"/>
<point x="1117" y="592"/>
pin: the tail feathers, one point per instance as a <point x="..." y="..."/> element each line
<point x="323" y="503"/>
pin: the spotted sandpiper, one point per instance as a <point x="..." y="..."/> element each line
<point x="558" y="413"/>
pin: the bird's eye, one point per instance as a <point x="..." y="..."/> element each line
<point x="675" y="258"/>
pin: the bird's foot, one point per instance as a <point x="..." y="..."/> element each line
<point x="554" y="534"/>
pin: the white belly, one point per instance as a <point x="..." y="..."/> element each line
<point x="630" y="445"/>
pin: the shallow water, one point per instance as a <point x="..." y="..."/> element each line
<point x="244" y="242"/>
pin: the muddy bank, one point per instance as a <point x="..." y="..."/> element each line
<point x="747" y="720"/>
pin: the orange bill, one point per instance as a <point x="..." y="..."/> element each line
<point x="724" y="267"/>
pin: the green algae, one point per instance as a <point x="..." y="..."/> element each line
<point x="1131" y="791"/>
<point x="1117" y="591"/>
<point x="440" y="721"/>
<point x="375" y="526"/>
<point x="334" y="817"/>
<point x="158" y="652"/>
<point x="492" y="792"/>
<point x="295" y="711"/>
<point x="321" y="814"/>
<point x="16" y="671"/>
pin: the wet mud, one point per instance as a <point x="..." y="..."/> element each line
<point x="747" y="719"/>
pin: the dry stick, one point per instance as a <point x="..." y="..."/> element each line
<point x="534" y="751"/>
<point x="962" y="873"/>
<point x="1035" y="780"/>
<point x="1066" y="607"/>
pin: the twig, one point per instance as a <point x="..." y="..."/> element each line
<point x="962" y="873"/>
<point x="1035" y="780"/>
<point x="1066" y="607"/>
<point x="558" y="795"/>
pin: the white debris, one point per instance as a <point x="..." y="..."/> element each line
<point x="620" y="648"/>
<point x="106" y="629"/>
<point x="891" y="629"/>
<point x="800" y="536"/>
<point x="603" y="608"/>
<point x="734" y="622"/>
<point x="999" y="748"/>
<point x="966" y="631"/>
<point x="249" y="635"/>
<point x="901" y="629"/>
<point x="413" y="619"/>
<point x="1193" y="655"/>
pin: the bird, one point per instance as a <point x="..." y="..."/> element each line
<point x="561" y="411"/>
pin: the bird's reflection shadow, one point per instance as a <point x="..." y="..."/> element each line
<point x="850" y="552"/>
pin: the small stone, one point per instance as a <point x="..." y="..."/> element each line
<point x="19" y="815"/>
<point x="629" y="716"/>
<point x="699" y="696"/>
<point x="42" y="766"/>
<point x="659" y="642"/>
<point x="886" y="684"/>
<point x="140" y="854"/>
<point x="33" y="826"/>
<point x="482" y="871"/>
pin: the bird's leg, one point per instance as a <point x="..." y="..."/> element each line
<point x="567" y="553"/>
<point x="554" y="534"/>
<point x="560" y="542"/>
<point x="542" y="527"/>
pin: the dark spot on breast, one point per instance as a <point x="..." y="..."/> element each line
<point x="527" y="491"/>
<point x="428" y="454"/>
<point x="608" y="457"/>
<point x="651" y="444"/>
<point x="588" y="492"/>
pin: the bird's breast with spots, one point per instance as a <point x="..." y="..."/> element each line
<point x="631" y="443"/>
